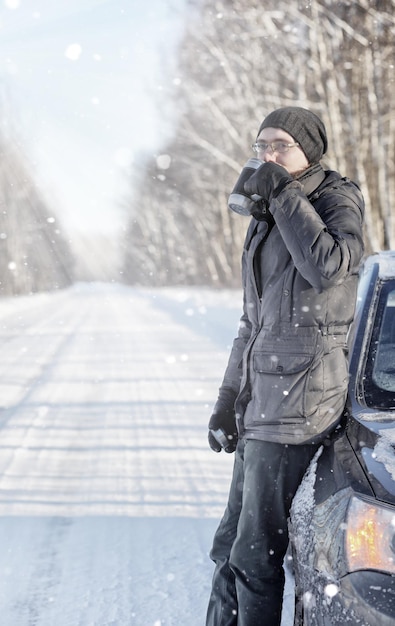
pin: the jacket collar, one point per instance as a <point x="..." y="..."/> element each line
<point x="311" y="178"/>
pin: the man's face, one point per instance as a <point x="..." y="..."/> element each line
<point x="294" y="160"/>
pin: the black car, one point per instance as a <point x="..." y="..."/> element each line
<point x="343" y="517"/>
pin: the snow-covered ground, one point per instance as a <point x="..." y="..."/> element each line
<point x="109" y="494"/>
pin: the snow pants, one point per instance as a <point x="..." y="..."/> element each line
<point x="252" y="538"/>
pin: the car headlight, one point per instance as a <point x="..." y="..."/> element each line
<point x="370" y="537"/>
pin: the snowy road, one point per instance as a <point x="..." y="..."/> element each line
<point x="109" y="495"/>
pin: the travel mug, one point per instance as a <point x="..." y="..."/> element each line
<point x="239" y="201"/>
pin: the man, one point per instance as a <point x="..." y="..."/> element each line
<point x="285" y="385"/>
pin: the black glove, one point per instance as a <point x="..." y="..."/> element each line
<point x="267" y="181"/>
<point x="222" y="424"/>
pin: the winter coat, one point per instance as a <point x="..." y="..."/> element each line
<point x="288" y="364"/>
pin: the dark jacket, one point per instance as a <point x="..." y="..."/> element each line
<point x="289" y="361"/>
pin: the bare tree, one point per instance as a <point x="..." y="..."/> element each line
<point x="34" y="253"/>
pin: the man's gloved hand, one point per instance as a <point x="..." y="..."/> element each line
<point x="267" y="181"/>
<point x="222" y="424"/>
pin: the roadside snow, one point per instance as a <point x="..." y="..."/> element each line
<point x="109" y="494"/>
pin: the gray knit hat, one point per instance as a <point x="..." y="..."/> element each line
<point x="304" y="126"/>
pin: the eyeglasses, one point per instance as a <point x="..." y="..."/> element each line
<point x="275" y="146"/>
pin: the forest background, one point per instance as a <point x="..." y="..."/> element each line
<point x="235" y="63"/>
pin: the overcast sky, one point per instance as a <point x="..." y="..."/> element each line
<point x="79" y="77"/>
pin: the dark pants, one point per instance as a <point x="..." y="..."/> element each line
<point x="252" y="538"/>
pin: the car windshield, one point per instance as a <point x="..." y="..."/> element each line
<point x="379" y="374"/>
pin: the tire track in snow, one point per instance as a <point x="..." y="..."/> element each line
<point x="109" y="494"/>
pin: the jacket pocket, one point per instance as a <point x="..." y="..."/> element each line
<point x="287" y="386"/>
<point x="277" y="363"/>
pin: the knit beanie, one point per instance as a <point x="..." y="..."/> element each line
<point x="304" y="126"/>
